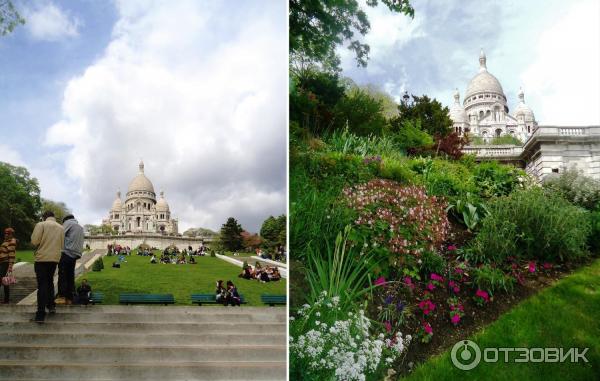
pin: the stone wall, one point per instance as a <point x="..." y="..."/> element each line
<point x="134" y="240"/>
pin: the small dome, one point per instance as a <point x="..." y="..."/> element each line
<point x="523" y="109"/>
<point x="457" y="111"/>
<point x="141" y="182"/>
<point x="161" y="205"/>
<point x="116" y="206"/>
<point x="483" y="81"/>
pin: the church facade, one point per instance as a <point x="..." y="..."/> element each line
<point x="140" y="211"/>
<point x="484" y="111"/>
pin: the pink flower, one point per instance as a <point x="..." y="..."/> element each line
<point x="436" y="277"/>
<point x="451" y="248"/>
<point x="532" y="267"/>
<point x="456" y="289"/>
<point x="428" y="329"/>
<point x="380" y="281"/>
<point x="431" y="287"/>
<point x="482" y="294"/>
<point x="388" y="326"/>
<point x="455" y="319"/>
<point x="547" y="266"/>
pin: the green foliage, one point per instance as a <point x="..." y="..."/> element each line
<point x="343" y="271"/>
<point x="60" y="209"/>
<point x="594" y="238"/>
<point x="361" y="113"/>
<point x="231" y="235"/>
<point x="20" y="201"/>
<point x="468" y="210"/>
<point x="411" y="136"/>
<point x="9" y="17"/>
<point x="98" y="265"/>
<point x="316" y="28"/>
<point x="200" y="232"/>
<point x="491" y="279"/>
<point x="532" y="225"/>
<point x="575" y="187"/>
<point x="434" y="118"/>
<point x="506" y="140"/>
<point x="432" y="262"/>
<point x="346" y="142"/>
<point x="396" y="170"/>
<point x="494" y="179"/>
<point x="272" y="231"/>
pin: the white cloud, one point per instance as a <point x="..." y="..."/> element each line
<point x="197" y="91"/>
<point x="47" y="22"/>
<point x="10" y="155"/>
<point x="565" y="74"/>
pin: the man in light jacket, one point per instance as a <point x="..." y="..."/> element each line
<point x="70" y="254"/>
<point x="48" y="237"/>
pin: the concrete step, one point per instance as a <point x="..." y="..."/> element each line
<point x="150" y="318"/>
<point x="141" y="328"/>
<point x="150" y="370"/>
<point x="127" y="354"/>
<point x="153" y="339"/>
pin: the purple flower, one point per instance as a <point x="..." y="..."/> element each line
<point x="388" y="300"/>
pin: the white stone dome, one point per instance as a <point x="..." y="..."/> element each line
<point x="116" y="206"/>
<point x="523" y="109"/>
<point x="140" y="183"/>
<point x="161" y="205"/>
<point x="457" y="111"/>
<point x="483" y="82"/>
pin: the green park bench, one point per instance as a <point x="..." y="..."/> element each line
<point x="273" y="300"/>
<point x="96" y="298"/>
<point x="130" y="298"/>
<point x="201" y="299"/>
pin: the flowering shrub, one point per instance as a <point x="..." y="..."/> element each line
<point x="404" y="219"/>
<point x="436" y="281"/>
<point x="454" y="286"/>
<point x="425" y="332"/>
<point x="392" y="313"/>
<point x="457" y="311"/>
<point x="481" y="298"/>
<point x="328" y="344"/>
<point x="426" y="305"/>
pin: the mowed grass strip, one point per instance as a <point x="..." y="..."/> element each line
<point x="138" y="275"/>
<point x="24" y="256"/>
<point x="565" y="315"/>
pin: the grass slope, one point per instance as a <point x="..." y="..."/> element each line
<point x="24" y="256"/>
<point x="138" y="275"/>
<point x="566" y="315"/>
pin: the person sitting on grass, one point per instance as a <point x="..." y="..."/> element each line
<point x="232" y="297"/>
<point x="84" y="293"/>
<point x="247" y="273"/>
<point x="275" y="275"/>
<point x="192" y="261"/>
<point x="153" y="259"/>
<point x="220" y="293"/>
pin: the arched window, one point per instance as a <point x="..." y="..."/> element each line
<point x="480" y="114"/>
<point x="498" y="132"/>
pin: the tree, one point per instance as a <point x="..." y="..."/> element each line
<point x="9" y="17"/>
<point x="361" y="113"/>
<point x="251" y="241"/>
<point x="20" y="201"/>
<point x="434" y="118"/>
<point x="317" y="27"/>
<point x="231" y="235"/>
<point x="59" y="209"/>
<point x="273" y="231"/>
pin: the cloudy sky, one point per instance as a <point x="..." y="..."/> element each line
<point x="549" y="47"/>
<point x="197" y="89"/>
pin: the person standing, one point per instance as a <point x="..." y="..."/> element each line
<point x="70" y="254"/>
<point x="7" y="258"/>
<point x="48" y="238"/>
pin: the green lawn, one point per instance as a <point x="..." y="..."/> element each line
<point x="138" y="275"/>
<point x="24" y="256"/>
<point x="566" y="315"/>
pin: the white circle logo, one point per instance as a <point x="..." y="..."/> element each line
<point x="470" y="355"/>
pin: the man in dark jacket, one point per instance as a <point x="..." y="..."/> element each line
<point x="71" y="252"/>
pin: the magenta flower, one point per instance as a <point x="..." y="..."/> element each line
<point x="455" y="319"/>
<point x="532" y="267"/>
<point x="430" y="286"/>
<point x="436" y="277"/>
<point x="547" y="266"/>
<point x="380" y="281"/>
<point x="427" y="306"/>
<point x="427" y="328"/>
<point x="451" y="247"/>
<point x="388" y="326"/>
<point x="482" y="294"/>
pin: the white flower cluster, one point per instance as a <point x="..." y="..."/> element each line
<point x="344" y="347"/>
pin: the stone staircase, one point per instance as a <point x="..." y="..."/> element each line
<point x="143" y="343"/>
